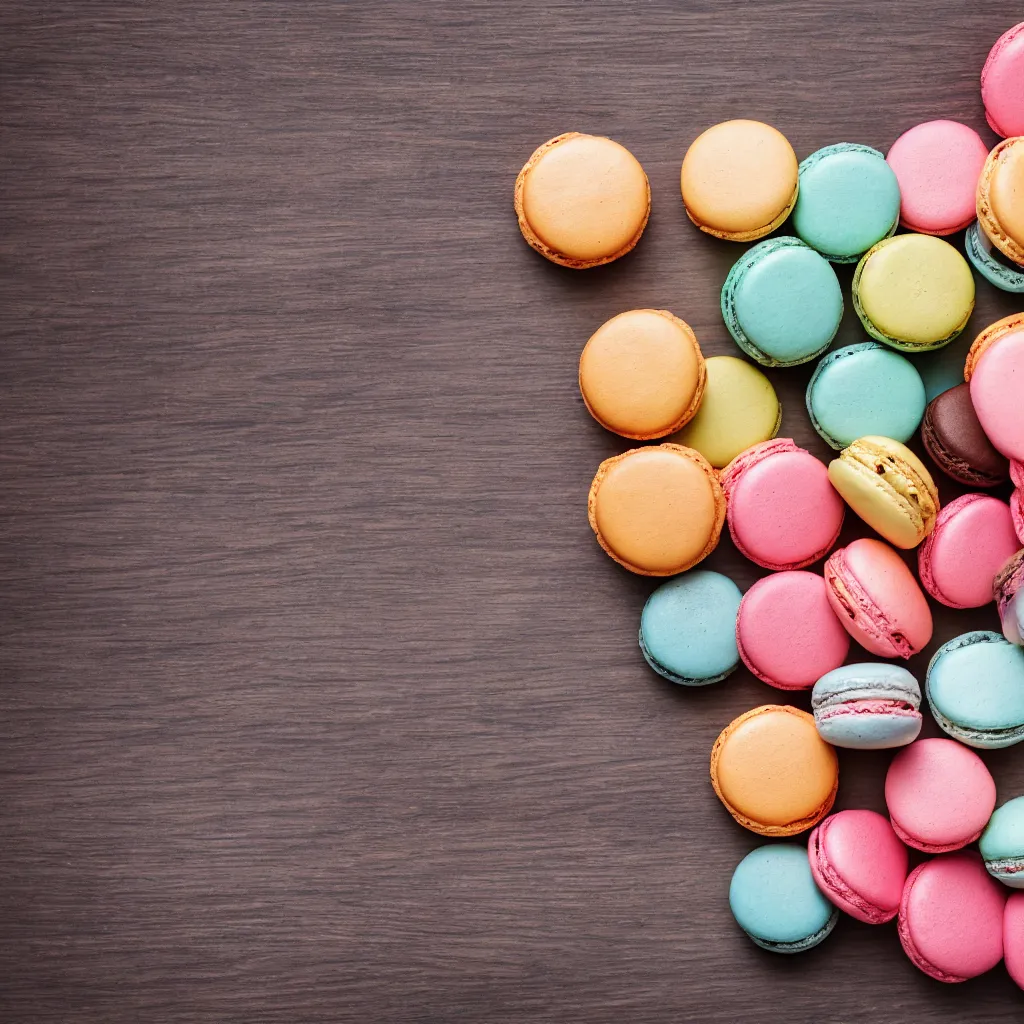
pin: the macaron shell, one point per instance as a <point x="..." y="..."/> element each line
<point x="997" y="383"/>
<point x="787" y="632"/>
<point x="739" y="180"/>
<point x="859" y="862"/>
<point x="954" y="438"/>
<point x="1002" y="83"/>
<point x="582" y="200"/>
<point x="642" y="374"/>
<point x="1002" y="843"/>
<point x="1013" y="937"/>
<point x="869" y="725"/>
<point x="782" y="511"/>
<point x="1017" y="512"/>
<point x="937" y="165"/>
<point x="992" y="264"/>
<point x="657" y="510"/>
<point x="939" y="794"/>
<point x="999" y="188"/>
<point x="972" y="540"/>
<point x="739" y="409"/>
<point x="914" y="292"/>
<point x="773" y="772"/>
<point x="865" y="388"/>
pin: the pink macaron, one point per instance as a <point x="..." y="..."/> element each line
<point x="859" y="863"/>
<point x="995" y="371"/>
<point x="972" y="539"/>
<point x="787" y="632"/>
<point x="940" y="795"/>
<point x="951" y="917"/>
<point x="1013" y="937"/>
<point x="877" y="599"/>
<point x="1002" y="83"/>
<point x="783" y="512"/>
<point x="937" y="165"/>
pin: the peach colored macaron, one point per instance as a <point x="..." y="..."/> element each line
<point x="995" y="372"/>
<point x="582" y="200"/>
<point x="642" y="374"/>
<point x="657" y="510"/>
<point x="774" y="773"/>
<point x="999" y="207"/>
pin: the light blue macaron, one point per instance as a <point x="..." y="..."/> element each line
<point x="688" y="628"/>
<point x="1002" y="843"/>
<point x="868" y="706"/>
<point x="988" y="261"/>
<point x="775" y="901"/>
<point x="782" y="302"/>
<point x="975" y="688"/>
<point x="849" y="199"/>
<point x="865" y="389"/>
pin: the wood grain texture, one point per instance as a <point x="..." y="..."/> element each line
<point x="318" y="701"/>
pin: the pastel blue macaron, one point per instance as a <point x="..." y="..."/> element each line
<point x="782" y="302"/>
<point x="865" y="389"/>
<point x="849" y="199"/>
<point x="988" y="261"/>
<point x="1002" y="843"/>
<point x="868" y="706"/>
<point x="975" y="688"/>
<point x="688" y="628"/>
<point x="775" y="901"/>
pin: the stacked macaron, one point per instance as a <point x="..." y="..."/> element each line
<point x="711" y="458"/>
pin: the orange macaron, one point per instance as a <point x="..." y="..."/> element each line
<point x="774" y="773"/>
<point x="657" y="510"/>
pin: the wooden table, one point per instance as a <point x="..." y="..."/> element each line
<point x="319" y="701"/>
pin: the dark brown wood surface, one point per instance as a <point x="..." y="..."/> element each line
<point x="318" y="701"/>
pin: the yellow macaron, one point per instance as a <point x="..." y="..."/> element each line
<point x="739" y="408"/>
<point x="657" y="510"/>
<point x="1001" y="198"/>
<point x="888" y="486"/>
<point x="739" y="180"/>
<point x="582" y="200"/>
<point x="642" y="374"/>
<point x="913" y="292"/>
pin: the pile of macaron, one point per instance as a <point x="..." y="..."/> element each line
<point x="659" y="509"/>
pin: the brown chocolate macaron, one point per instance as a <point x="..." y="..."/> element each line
<point x="955" y="440"/>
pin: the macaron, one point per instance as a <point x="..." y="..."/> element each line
<point x="657" y="510"/>
<point x="877" y="599"/>
<point x="782" y="302"/>
<point x="1002" y="844"/>
<point x="868" y="706"/>
<point x="859" y="863"/>
<point x="939" y="794"/>
<point x="688" y="628"/>
<point x="887" y="485"/>
<point x="739" y="180"/>
<point x="951" y="918"/>
<point x="849" y="199"/>
<point x="863" y="389"/>
<point x="975" y="688"/>
<point x="1000" y="211"/>
<point x="996" y="268"/>
<point x="787" y="633"/>
<point x="913" y="292"/>
<point x="995" y="372"/>
<point x="1002" y="83"/>
<point x="773" y="772"/>
<point x="1013" y="937"/>
<point x="954" y="438"/>
<point x="739" y="409"/>
<point x="783" y="512"/>
<point x="972" y="539"/>
<point x="582" y="200"/>
<point x="642" y="374"/>
<point x="773" y="898"/>
<point x="937" y="165"/>
<point x="1008" y="588"/>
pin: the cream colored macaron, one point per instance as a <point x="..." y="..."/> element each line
<point x="582" y="200"/>
<point x="888" y="486"/>
<point x="642" y="374"/>
<point x="739" y="180"/>
<point x="1001" y="198"/>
